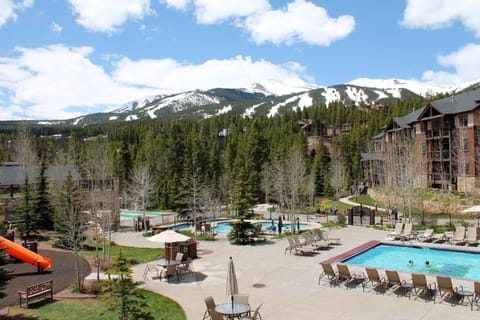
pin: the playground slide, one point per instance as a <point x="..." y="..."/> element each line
<point x="24" y="254"/>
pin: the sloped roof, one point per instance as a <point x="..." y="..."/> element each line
<point x="464" y="102"/>
<point x="15" y="174"/>
<point x="370" y="156"/>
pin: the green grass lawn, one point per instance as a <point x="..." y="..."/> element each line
<point x="134" y="255"/>
<point x="81" y="309"/>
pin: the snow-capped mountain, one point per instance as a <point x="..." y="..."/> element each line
<point x="266" y="98"/>
<point x="420" y="88"/>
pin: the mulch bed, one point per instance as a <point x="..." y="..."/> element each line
<point x="62" y="273"/>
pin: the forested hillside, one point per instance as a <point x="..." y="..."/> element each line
<point x="239" y="161"/>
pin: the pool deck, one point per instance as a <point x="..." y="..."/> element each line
<point x="287" y="285"/>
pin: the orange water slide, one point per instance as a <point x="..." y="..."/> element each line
<point x="24" y="254"/>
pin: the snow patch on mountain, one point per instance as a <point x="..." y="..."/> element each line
<point x="357" y="95"/>
<point x="423" y="89"/>
<point x="305" y="101"/>
<point x="225" y="110"/>
<point x="182" y="101"/>
<point x="280" y="88"/>
<point x="250" y="111"/>
<point x="331" y="95"/>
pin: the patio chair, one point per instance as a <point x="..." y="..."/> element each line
<point x="179" y="256"/>
<point x="151" y="268"/>
<point x="215" y="315"/>
<point x="445" y="287"/>
<point x="421" y="288"/>
<point x="170" y="272"/>
<point x="255" y="316"/>
<point x="303" y="249"/>
<point x="397" y="231"/>
<point x="210" y="303"/>
<point x="472" y="236"/>
<point x="426" y="236"/>
<point x="329" y="273"/>
<point x="374" y="279"/>
<point x="240" y="298"/>
<point x="187" y="266"/>
<point x="458" y="236"/>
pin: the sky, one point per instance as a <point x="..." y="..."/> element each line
<point x="60" y="59"/>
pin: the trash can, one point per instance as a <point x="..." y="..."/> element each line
<point x="192" y="248"/>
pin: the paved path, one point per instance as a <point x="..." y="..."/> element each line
<point x="287" y="285"/>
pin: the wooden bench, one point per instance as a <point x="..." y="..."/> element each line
<point x="37" y="290"/>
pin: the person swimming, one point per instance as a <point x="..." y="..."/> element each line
<point x="410" y="263"/>
<point x="427" y="264"/>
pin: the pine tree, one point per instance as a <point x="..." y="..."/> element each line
<point x="41" y="204"/>
<point x="122" y="295"/>
<point x="28" y="225"/>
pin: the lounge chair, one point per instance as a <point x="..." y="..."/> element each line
<point x="422" y="288"/>
<point x="458" y="235"/>
<point x="255" y="316"/>
<point x="305" y="245"/>
<point x="374" y="279"/>
<point x="394" y="281"/>
<point x="315" y="243"/>
<point x="210" y="303"/>
<point x="407" y="232"/>
<point x="476" y="292"/>
<point x="472" y="236"/>
<point x="445" y="287"/>
<point x="300" y="249"/>
<point x="323" y="236"/>
<point x="329" y="273"/>
<point x="349" y="278"/>
<point x="291" y="245"/>
<point x="426" y="236"/>
<point x="397" y="231"/>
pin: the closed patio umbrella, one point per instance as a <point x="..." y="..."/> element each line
<point x="232" y="284"/>
<point x="168" y="237"/>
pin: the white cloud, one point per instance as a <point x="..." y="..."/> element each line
<point x="465" y="63"/>
<point x="214" y="11"/>
<point x="171" y="76"/>
<point x="435" y="14"/>
<point x="177" y="4"/>
<point x="300" y="21"/>
<point x="58" y="82"/>
<point x="56" y="27"/>
<point x="8" y="9"/>
<point x="108" y="15"/>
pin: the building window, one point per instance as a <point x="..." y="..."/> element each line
<point x="463" y="121"/>
<point x="464" y="145"/>
<point x="423" y="126"/>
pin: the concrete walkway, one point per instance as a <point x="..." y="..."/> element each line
<point x="287" y="285"/>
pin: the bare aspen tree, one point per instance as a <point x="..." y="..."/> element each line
<point x="103" y="197"/>
<point x="338" y="174"/>
<point x="142" y="189"/>
<point x="24" y="152"/>
<point x="193" y="187"/>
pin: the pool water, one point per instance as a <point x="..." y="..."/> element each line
<point x="225" y="227"/>
<point x="459" y="264"/>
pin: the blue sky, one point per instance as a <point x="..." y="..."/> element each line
<point x="64" y="58"/>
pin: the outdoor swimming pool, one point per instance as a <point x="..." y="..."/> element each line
<point x="225" y="227"/>
<point x="459" y="264"/>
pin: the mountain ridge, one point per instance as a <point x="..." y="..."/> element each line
<point x="268" y="98"/>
